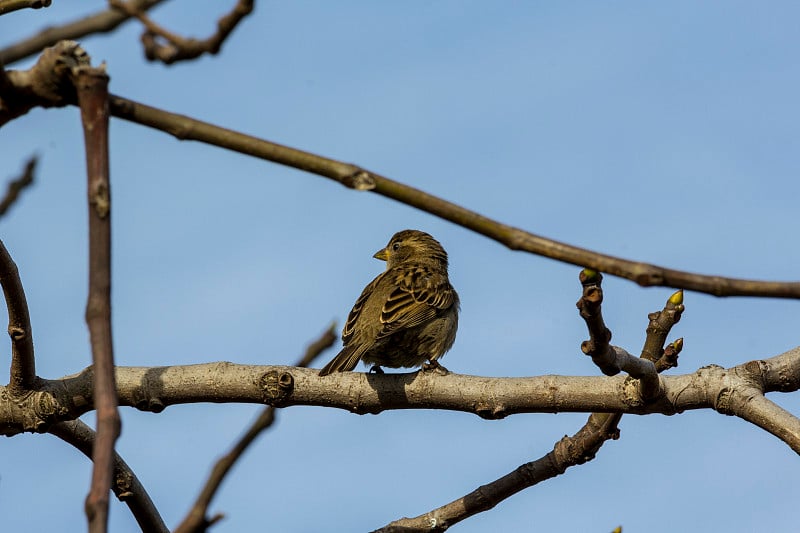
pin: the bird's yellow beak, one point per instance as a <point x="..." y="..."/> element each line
<point x="382" y="254"/>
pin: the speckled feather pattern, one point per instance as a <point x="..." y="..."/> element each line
<point x="405" y="316"/>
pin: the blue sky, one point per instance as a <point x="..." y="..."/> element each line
<point x="662" y="132"/>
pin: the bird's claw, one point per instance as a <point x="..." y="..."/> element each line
<point x="376" y="370"/>
<point x="434" y="366"/>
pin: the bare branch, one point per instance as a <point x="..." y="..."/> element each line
<point x="589" y="306"/>
<point x="196" y="520"/>
<point x="567" y="452"/>
<point x="155" y="388"/>
<point x="23" y="363"/>
<point x="781" y="373"/>
<point x="186" y="128"/>
<point x="357" y="178"/>
<point x="612" y="359"/>
<point x="16" y="186"/>
<point x="7" y="6"/>
<point x="749" y="402"/>
<point x="575" y="450"/>
<point x="661" y="323"/>
<point x="101" y="22"/>
<point x="91" y="85"/>
<point x="177" y="48"/>
<point x="127" y="486"/>
<point x="46" y="84"/>
<point x="764" y="413"/>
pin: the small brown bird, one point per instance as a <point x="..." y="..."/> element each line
<point x="405" y="316"/>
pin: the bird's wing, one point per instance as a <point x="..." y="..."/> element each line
<point x="419" y="293"/>
<point x="355" y="312"/>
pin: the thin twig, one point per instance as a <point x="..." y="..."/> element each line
<point x="126" y="486"/>
<point x="7" y="6"/>
<point x="352" y="176"/>
<point x="177" y="48"/>
<point x="91" y="85"/>
<point x="196" y="520"/>
<point x="101" y="22"/>
<point x="23" y="363"/>
<point x="598" y="346"/>
<point x="16" y="186"/>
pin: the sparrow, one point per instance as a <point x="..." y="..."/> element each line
<point x="407" y="315"/>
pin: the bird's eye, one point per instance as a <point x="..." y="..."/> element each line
<point x="396" y="246"/>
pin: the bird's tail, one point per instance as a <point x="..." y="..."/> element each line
<point x="344" y="361"/>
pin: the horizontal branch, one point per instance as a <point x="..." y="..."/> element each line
<point x="355" y="177"/>
<point x="155" y="388"/>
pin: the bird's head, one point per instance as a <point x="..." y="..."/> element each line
<point x="413" y="245"/>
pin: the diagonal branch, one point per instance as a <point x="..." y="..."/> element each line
<point x="127" y="486"/>
<point x="101" y="22"/>
<point x="163" y="45"/>
<point x="747" y="401"/>
<point x="352" y="176"/>
<point x="582" y="446"/>
<point x="196" y="520"/>
<point x="91" y="85"/>
<point x="23" y="363"/>
<point x="16" y="186"/>
<point x="769" y="416"/>
<point x="569" y="451"/>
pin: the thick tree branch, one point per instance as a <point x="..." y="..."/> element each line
<point x="197" y="520"/>
<point x="16" y="186"/>
<point x="352" y="176"/>
<point x="127" y="486"/>
<point x="155" y="388"/>
<point x="759" y="410"/>
<point x="91" y="85"/>
<point x="163" y="45"/>
<point x="101" y="22"/>
<point x="23" y="363"/>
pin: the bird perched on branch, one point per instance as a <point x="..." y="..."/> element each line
<point x="406" y="315"/>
